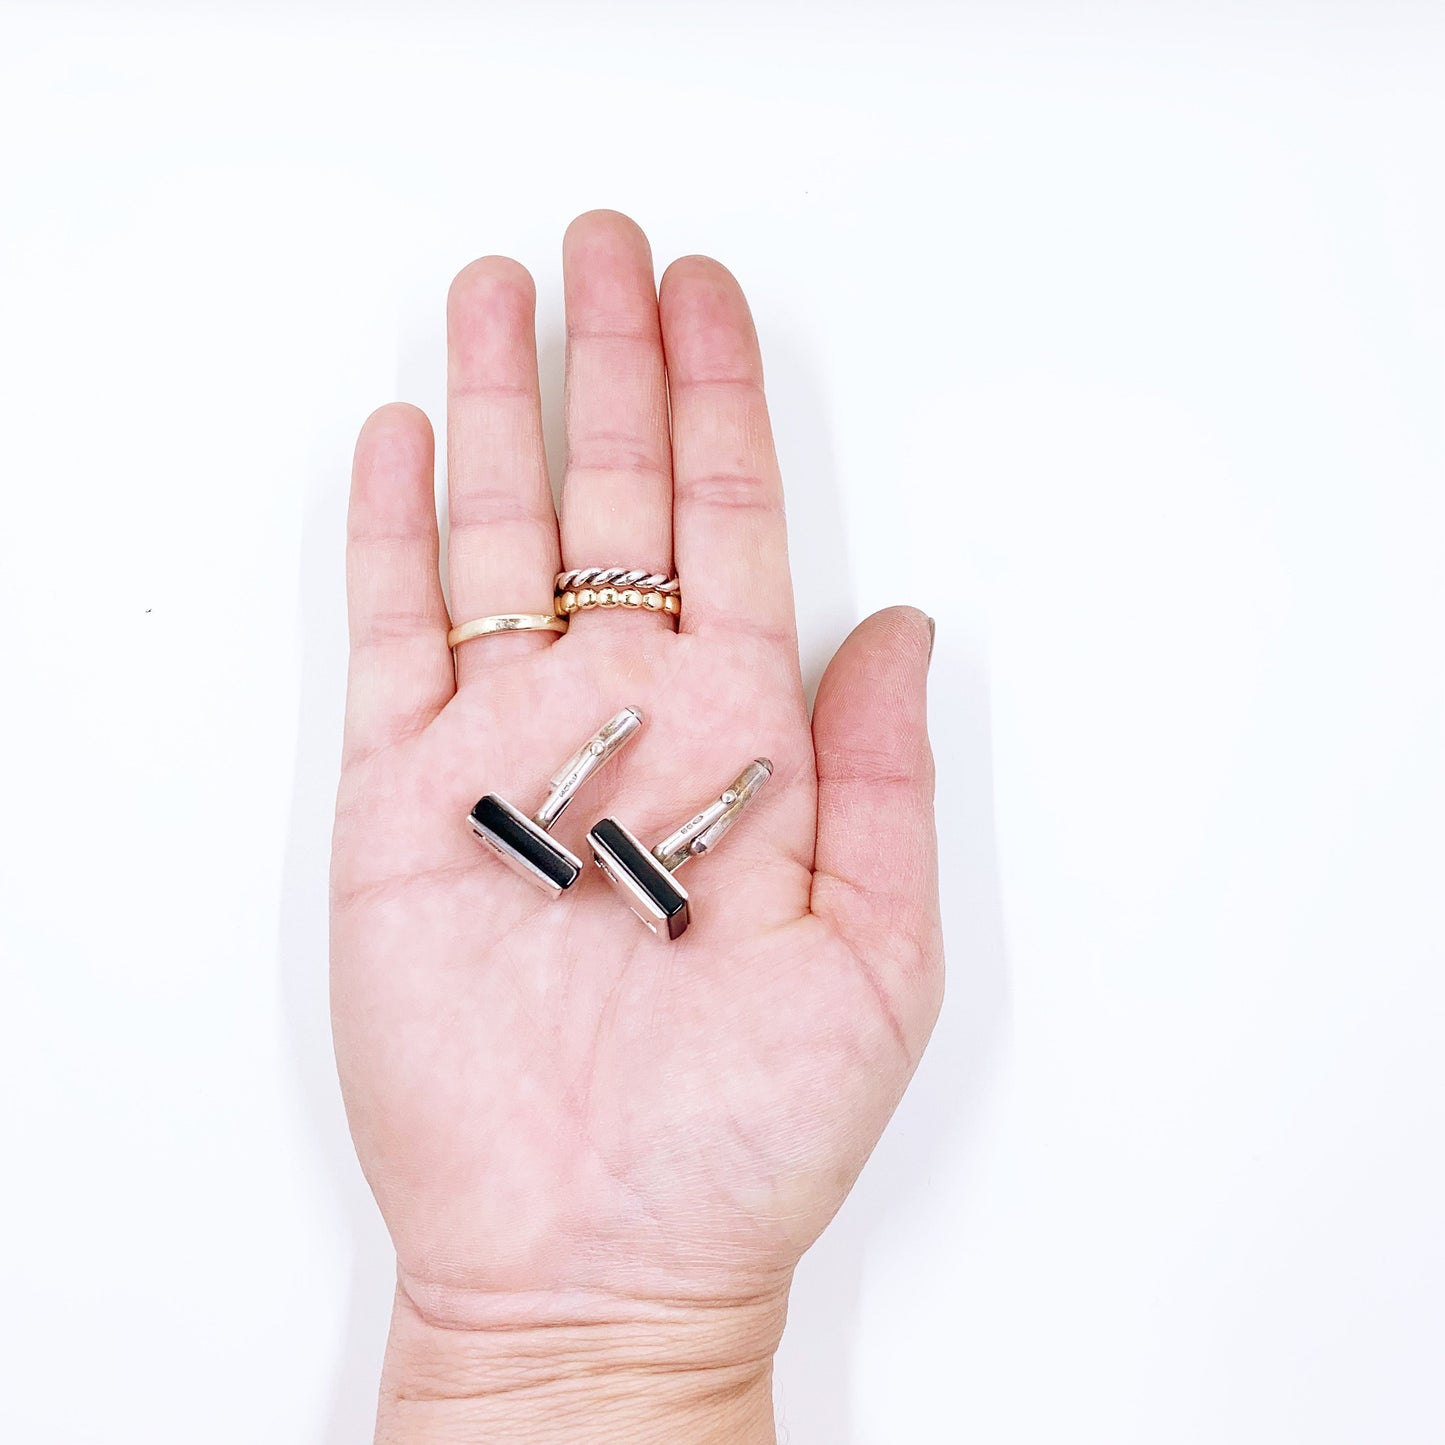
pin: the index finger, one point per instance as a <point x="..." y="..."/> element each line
<point x="729" y="535"/>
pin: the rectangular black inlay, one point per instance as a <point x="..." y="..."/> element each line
<point x="644" y="870"/>
<point x="506" y="830"/>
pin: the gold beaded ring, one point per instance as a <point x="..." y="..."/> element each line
<point x="583" y="588"/>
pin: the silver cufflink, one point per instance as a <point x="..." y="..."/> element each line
<point x="524" y="843"/>
<point x="645" y="877"/>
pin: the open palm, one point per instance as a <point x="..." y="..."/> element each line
<point x="551" y="1104"/>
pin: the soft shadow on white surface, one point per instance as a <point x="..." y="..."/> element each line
<point x="551" y="364"/>
<point x="816" y="1389"/>
<point x="303" y="952"/>
<point x="943" y="1110"/>
<point x="824" y="592"/>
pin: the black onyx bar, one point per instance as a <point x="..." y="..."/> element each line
<point x="655" y="895"/>
<point x="524" y="846"/>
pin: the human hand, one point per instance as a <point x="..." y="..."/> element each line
<point x="600" y="1155"/>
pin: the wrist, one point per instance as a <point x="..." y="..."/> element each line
<point x="465" y="1370"/>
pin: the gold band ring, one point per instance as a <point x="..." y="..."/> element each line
<point x="506" y="622"/>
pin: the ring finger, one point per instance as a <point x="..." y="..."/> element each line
<point x="502" y="546"/>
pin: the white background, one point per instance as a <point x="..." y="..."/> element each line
<point x="1110" y="334"/>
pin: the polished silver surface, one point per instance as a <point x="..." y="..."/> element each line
<point x="526" y="849"/>
<point x="705" y="829"/>
<point x="615" y="577"/>
<point x="650" y="890"/>
<point x="524" y="843"/>
<point x="644" y="877"/>
<point x="564" y="783"/>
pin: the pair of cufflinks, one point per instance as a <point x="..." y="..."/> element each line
<point x="643" y="876"/>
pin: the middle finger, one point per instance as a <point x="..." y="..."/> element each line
<point x="617" y="492"/>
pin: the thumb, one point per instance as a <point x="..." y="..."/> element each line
<point x="876" y="862"/>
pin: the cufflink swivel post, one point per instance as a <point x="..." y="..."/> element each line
<point x="645" y="877"/>
<point x="525" y="844"/>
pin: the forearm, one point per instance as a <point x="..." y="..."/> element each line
<point x="687" y="1375"/>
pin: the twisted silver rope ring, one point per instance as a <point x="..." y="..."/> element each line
<point x="614" y="577"/>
